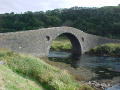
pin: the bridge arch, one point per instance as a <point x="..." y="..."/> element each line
<point x="38" y="42"/>
<point x="76" y="45"/>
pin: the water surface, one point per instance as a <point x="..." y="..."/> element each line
<point x="103" y="67"/>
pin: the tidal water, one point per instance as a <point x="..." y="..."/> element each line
<point x="103" y="66"/>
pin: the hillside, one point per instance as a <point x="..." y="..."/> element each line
<point x="9" y="80"/>
<point x="104" y="21"/>
<point x="21" y="72"/>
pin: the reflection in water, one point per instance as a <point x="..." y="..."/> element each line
<point x="59" y="54"/>
<point x="111" y="63"/>
<point x="103" y="66"/>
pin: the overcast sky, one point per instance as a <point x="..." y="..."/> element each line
<point x="19" y="6"/>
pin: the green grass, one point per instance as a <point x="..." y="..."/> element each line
<point x="50" y="77"/>
<point x="9" y="80"/>
<point x="61" y="45"/>
<point x="106" y="49"/>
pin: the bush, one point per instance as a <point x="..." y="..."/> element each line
<point x="106" y="49"/>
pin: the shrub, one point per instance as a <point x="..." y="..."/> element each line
<point x="106" y="49"/>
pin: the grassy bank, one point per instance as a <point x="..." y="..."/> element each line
<point x="106" y="49"/>
<point x="61" y="45"/>
<point x="50" y="77"/>
<point x="9" y="80"/>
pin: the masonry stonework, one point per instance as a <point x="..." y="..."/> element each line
<point x="38" y="42"/>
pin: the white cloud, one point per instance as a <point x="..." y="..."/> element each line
<point x="93" y="3"/>
<point x="38" y="5"/>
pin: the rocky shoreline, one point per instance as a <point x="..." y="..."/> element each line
<point x="85" y="76"/>
<point x="104" y="84"/>
<point x="98" y="85"/>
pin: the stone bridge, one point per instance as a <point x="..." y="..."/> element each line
<point x="38" y="42"/>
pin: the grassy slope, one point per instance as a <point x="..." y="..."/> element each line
<point x="51" y="77"/>
<point x="12" y="81"/>
<point x="106" y="49"/>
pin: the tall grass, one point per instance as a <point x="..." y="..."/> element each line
<point x="42" y="72"/>
<point x="106" y="49"/>
<point x="9" y="80"/>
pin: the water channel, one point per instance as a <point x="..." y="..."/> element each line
<point x="86" y="67"/>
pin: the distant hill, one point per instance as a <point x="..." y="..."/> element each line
<point x="104" y="21"/>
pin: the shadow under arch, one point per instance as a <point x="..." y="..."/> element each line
<point x="76" y="46"/>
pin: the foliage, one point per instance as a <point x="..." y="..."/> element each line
<point x="106" y="49"/>
<point x="42" y="72"/>
<point x="102" y="21"/>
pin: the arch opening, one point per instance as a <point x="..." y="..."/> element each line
<point x="66" y="42"/>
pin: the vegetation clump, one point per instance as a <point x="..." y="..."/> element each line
<point x="50" y="77"/>
<point x="106" y="49"/>
<point x="64" y="45"/>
